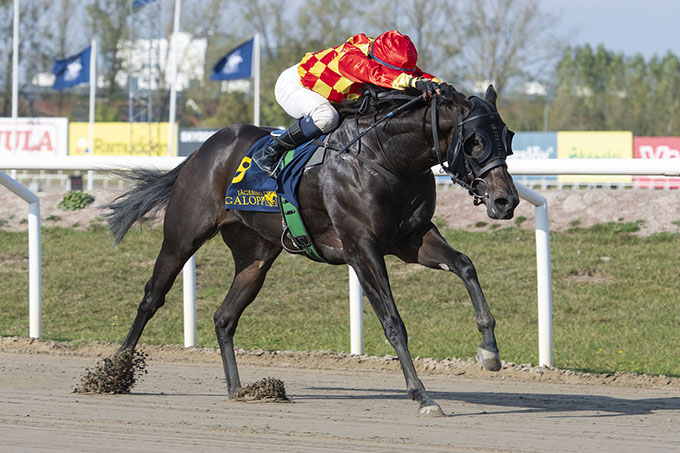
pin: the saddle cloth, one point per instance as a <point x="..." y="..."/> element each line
<point x="251" y="189"/>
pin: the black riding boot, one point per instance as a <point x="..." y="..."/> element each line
<point x="299" y="132"/>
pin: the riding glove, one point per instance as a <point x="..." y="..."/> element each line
<point x="425" y="86"/>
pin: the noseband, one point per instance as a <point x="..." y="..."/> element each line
<point x="484" y="121"/>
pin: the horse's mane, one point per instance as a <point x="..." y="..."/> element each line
<point x="375" y="99"/>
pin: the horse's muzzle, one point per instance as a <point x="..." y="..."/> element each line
<point x="498" y="193"/>
<point x="500" y="196"/>
<point x="502" y="208"/>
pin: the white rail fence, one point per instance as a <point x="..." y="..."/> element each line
<point x="34" y="253"/>
<point x="660" y="167"/>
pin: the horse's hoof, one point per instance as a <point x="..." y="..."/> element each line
<point x="232" y="393"/>
<point x="432" y="410"/>
<point x="489" y="360"/>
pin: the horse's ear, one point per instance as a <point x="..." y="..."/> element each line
<point x="491" y="95"/>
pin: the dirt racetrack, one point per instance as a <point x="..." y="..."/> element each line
<point x="339" y="403"/>
<point x="181" y="405"/>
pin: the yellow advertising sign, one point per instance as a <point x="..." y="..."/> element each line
<point x="121" y="139"/>
<point x="595" y="145"/>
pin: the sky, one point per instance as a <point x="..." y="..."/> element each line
<point x="649" y="27"/>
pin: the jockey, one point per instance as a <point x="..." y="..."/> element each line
<point x="307" y="89"/>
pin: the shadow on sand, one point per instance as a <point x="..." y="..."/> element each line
<point x="509" y="403"/>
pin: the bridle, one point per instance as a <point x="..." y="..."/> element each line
<point x="482" y="119"/>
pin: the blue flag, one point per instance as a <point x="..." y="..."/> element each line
<point x="72" y="71"/>
<point x="237" y="64"/>
<point x="136" y="4"/>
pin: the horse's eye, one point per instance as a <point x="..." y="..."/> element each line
<point x="474" y="146"/>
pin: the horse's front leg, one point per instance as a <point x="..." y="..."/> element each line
<point x="431" y="250"/>
<point x="368" y="263"/>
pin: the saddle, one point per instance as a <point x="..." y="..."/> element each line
<point x="251" y="189"/>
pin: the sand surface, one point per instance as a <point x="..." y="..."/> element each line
<point x="181" y="405"/>
<point x="340" y="403"/>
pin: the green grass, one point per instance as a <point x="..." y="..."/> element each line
<point x="615" y="297"/>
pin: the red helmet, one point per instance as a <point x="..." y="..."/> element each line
<point x="395" y="51"/>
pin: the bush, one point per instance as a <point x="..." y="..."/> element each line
<point x="75" y="199"/>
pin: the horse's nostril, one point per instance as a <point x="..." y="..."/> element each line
<point x="501" y="203"/>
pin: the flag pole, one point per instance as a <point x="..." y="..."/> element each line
<point x="172" y="63"/>
<point x="15" y="80"/>
<point x="93" y="89"/>
<point x="256" y="79"/>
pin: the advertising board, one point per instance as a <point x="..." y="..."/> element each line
<point x="535" y="145"/>
<point x="35" y="137"/>
<point x="656" y="148"/>
<point x="121" y="139"/>
<point x="190" y="139"/>
<point x="595" y="145"/>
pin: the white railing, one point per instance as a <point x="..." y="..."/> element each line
<point x="626" y="167"/>
<point x="92" y="163"/>
<point x="543" y="273"/>
<point x="648" y="167"/>
<point x="34" y="253"/>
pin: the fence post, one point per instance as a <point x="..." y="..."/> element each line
<point x="356" y="314"/>
<point x="543" y="273"/>
<point x="189" y="287"/>
<point x="34" y="253"/>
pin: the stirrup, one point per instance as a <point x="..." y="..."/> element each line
<point x="268" y="160"/>
<point x="274" y="171"/>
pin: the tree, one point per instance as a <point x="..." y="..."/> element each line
<point x="639" y="93"/>
<point x="665" y="100"/>
<point x="326" y="23"/>
<point x="604" y="90"/>
<point x="34" y="56"/>
<point x="6" y="32"/>
<point x="108" y="20"/>
<point x="273" y="21"/>
<point x="430" y="25"/>
<point x="505" y="42"/>
<point x="201" y="97"/>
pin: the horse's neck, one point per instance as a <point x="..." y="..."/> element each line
<point x="408" y="141"/>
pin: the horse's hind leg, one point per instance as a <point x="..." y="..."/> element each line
<point x="432" y="250"/>
<point x="253" y="257"/>
<point x="168" y="265"/>
<point x="182" y="237"/>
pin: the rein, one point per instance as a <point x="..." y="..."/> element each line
<point x="391" y="172"/>
<point x="375" y="124"/>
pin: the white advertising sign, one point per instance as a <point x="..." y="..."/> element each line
<point x="34" y="137"/>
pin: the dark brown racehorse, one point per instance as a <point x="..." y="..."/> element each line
<point x="372" y="198"/>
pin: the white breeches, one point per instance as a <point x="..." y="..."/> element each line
<point x="299" y="101"/>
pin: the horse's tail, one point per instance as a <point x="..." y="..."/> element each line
<point x="150" y="192"/>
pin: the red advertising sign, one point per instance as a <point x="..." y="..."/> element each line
<point x="656" y="148"/>
<point x="33" y="137"/>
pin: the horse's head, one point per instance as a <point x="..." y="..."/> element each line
<point x="481" y="141"/>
